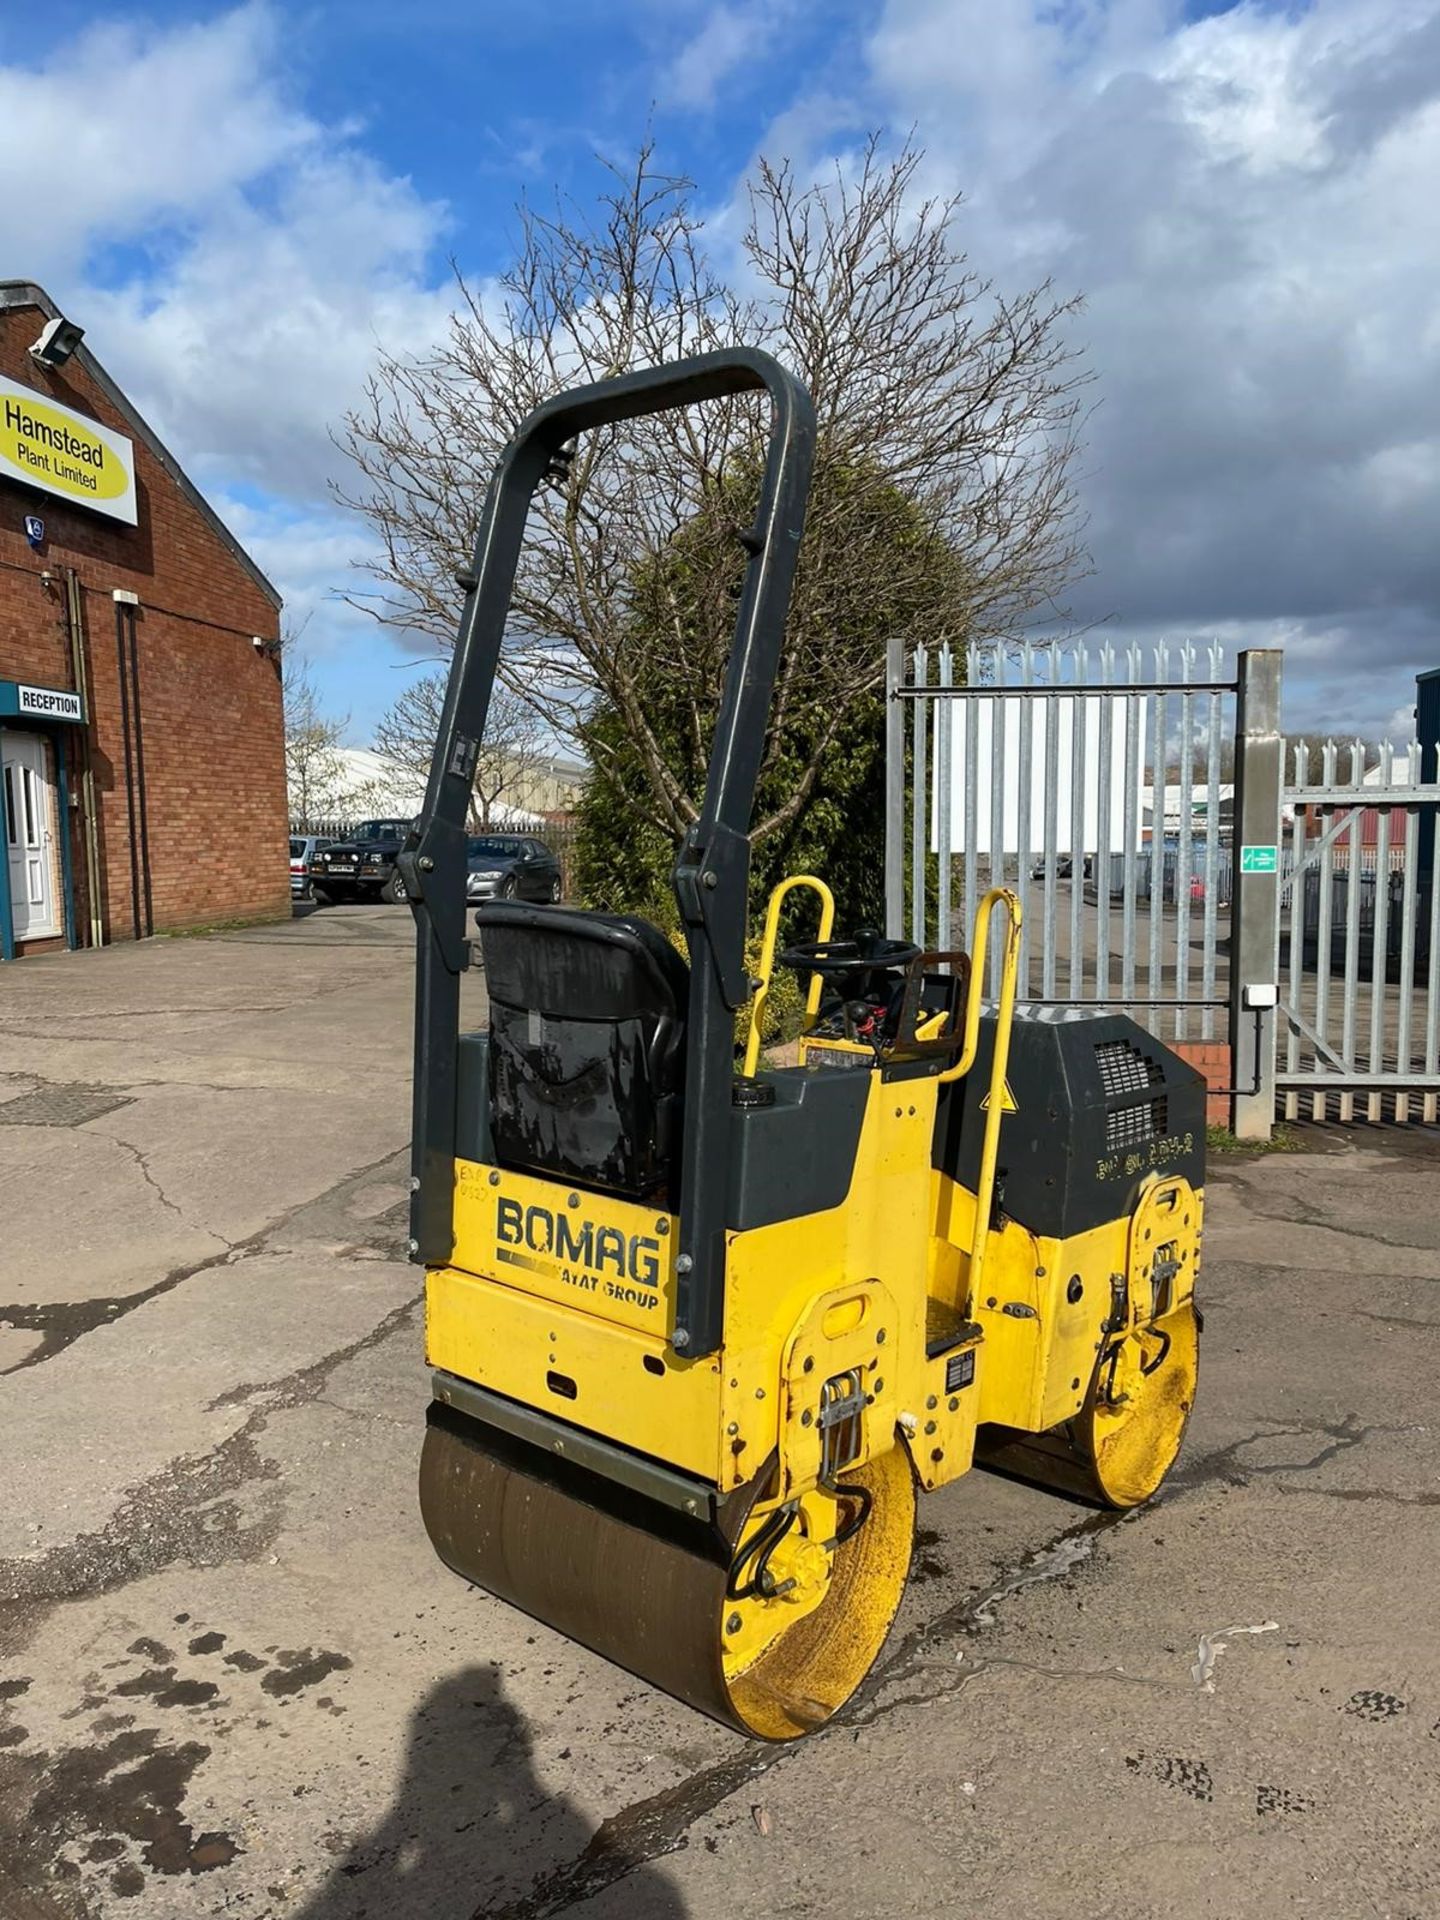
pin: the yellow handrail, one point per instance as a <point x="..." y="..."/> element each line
<point x="999" y="1062"/>
<point x="1009" y="968"/>
<point x="767" y="959"/>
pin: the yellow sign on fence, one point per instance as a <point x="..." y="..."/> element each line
<point x="66" y="453"/>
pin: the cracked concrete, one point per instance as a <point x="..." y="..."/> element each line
<point x="234" y="1679"/>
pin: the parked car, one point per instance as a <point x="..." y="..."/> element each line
<point x="303" y="848"/>
<point x="511" y="866"/>
<point x="363" y="867"/>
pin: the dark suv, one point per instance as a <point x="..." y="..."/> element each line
<point x="363" y="866"/>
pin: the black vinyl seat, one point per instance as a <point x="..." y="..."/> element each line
<point x="587" y="1046"/>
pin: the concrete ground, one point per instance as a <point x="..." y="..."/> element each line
<point x="235" y="1680"/>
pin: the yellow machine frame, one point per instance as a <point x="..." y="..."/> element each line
<point x="840" y="1288"/>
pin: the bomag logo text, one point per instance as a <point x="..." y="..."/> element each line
<point x="593" y="1259"/>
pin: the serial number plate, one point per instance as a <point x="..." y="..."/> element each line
<point x="959" y="1370"/>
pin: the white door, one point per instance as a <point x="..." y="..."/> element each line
<point x="29" y="835"/>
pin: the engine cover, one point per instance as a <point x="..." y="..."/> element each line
<point x="1097" y="1105"/>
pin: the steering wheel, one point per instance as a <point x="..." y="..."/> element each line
<point x="842" y="959"/>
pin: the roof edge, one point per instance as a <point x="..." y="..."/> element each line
<point x="27" y="293"/>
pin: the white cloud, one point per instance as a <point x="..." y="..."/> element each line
<point x="708" y="60"/>
<point x="733" y="35"/>
<point x="1247" y="202"/>
<point x="234" y="259"/>
<point x="235" y="262"/>
<point x="120" y="128"/>
<point x="292" y="302"/>
<point x="307" y="554"/>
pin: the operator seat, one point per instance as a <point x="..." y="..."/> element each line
<point x="587" y="1046"/>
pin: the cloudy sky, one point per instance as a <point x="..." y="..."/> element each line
<point x="240" y="203"/>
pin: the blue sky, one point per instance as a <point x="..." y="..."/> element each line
<point x="240" y="203"/>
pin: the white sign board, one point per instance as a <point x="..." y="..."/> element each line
<point x="67" y="453"/>
<point x="1095" y="734"/>
<point x="48" y="703"/>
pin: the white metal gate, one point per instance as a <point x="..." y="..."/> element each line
<point x="1096" y="782"/>
<point x="1359" y="938"/>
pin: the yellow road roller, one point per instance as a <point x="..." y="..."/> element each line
<point x="702" y="1328"/>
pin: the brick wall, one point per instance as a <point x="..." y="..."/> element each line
<point x="210" y="705"/>
<point x="1212" y="1058"/>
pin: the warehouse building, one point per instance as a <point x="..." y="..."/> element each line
<point x="142" y="749"/>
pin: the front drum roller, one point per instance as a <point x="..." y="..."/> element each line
<point x="768" y="1622"/>
<point x="1120" y="1446"/>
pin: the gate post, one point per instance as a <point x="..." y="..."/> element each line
<point x="895" y="789"/>
<point x="1255" y="892"/>
<point x="1427" y="735"/>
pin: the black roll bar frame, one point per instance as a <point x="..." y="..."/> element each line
<point x="711" y="876"/>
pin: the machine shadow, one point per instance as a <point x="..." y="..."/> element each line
<point x="472" y="1834"/>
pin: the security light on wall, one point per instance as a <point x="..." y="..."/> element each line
<point x="58" y="340"/>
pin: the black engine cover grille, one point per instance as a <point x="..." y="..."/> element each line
<point x="1100" y="1105"/>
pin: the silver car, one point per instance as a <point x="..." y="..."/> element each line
<point x="303" y="848"/>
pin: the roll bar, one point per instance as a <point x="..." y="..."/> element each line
<point x="711" y="876"/>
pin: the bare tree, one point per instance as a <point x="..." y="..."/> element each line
<point x="315" y="770"/>
<point x="1304" y="755"/>
<point x="509" y="756"/>
<point x="932" y="385"/>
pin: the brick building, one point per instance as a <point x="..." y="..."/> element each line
<point x="141" y="735"/>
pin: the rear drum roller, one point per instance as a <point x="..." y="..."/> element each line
<point x="770" y="1636"/>
<point x="1120" y="1446"/>
<point x="1135" y="1415"/>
